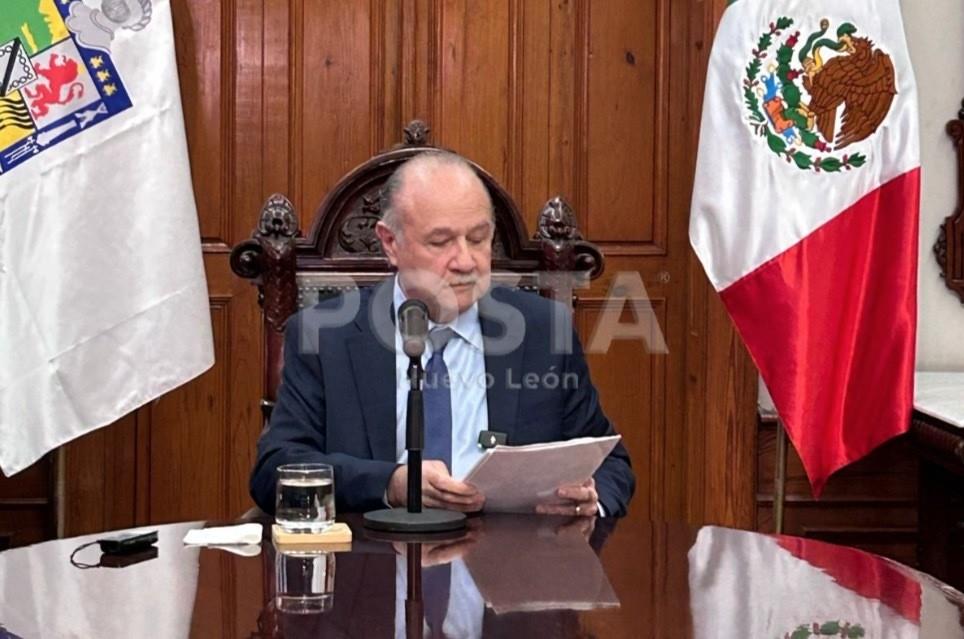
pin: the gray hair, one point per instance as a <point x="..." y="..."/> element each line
<point x="421" y="163"/>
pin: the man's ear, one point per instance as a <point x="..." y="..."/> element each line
<point x="389" y="242"/>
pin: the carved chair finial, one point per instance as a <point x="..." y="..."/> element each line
<point x="278" y="223"/>
<point x="416" y="133"/>
<point x="557" y="222"/>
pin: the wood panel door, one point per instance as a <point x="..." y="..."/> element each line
<point x="598" y="101"/>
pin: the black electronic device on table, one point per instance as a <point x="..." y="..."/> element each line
<point x="121" y="550"/>
<point x="128" y="544"/>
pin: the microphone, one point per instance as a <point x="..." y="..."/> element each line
<point x="413" y="326"/>
<point x="414" y="520"/>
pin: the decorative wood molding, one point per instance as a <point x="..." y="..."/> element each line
<point x="949" y="249"/>
<point x="939" y="442"/>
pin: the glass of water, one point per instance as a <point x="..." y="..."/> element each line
<point x="305" y="497"/>
<point x="304" y="581"/>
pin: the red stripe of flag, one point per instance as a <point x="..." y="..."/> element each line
<point x="831" y="324"/>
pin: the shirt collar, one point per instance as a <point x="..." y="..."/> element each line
<point x="466" y="325"/>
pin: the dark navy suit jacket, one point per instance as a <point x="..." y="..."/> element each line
<point x="336" y="401"/>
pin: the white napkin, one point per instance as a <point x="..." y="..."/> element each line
<point x="224" y="535"/>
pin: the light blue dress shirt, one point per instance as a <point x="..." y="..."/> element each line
<point x="465" y="358"/>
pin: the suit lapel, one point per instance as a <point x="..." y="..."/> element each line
<point x="373" y="368"/>
<point x="505" y="370"/>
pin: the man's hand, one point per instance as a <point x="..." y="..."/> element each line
<point x="439" y="489"/>
<point x="579" y="500"/>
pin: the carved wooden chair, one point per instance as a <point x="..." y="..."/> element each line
<point x="341" y="249"/>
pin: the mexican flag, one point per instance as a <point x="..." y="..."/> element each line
<point x="805" y="214"/>
<point x="103" y="299"/>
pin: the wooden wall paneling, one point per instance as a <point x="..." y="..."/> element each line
<point x="333" y="124"/>
<point x="694" y="36"/>
<point x="420" y="43"/>
<point x="28" y="504"/>
<point x="188" y="440"/>
<point x="260" y="147"/>
<point x="565" y="63"/>
<point x="99" y="477"/>
<point x="732" y="385"/>
<point x="387" y="63"/>
<point x="242" y="422"/>
<point x="268" y="89"/>
<point x="721" y="380"/>
<point x="621" y="95"/>
<point x="204" y="39"/>
<point x="631" y="380"/>
<point x="473" y="81"/>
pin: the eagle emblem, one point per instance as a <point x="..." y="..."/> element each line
<point x="817" y="97"/>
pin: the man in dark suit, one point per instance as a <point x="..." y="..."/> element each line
<point x="341" y="399"/>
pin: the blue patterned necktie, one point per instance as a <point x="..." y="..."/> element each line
<point x="437" y="398"/>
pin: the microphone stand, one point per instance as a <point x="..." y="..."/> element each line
<point x="415" y="433"/>
<point x="414" y="519"/>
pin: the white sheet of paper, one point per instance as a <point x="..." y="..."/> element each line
<point x="517" y="478"/>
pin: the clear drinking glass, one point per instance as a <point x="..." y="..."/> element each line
<point x="305" y="497"/>
<point x="304" y="581"/>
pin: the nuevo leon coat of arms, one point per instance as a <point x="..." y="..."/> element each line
<point x="811" y="104"/>
<point x="57" y="76"/>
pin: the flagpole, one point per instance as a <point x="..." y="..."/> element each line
<point x="58" y="493"/>
<point x="780" y="478"/>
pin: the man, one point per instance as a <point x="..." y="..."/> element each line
<point x="342" y="398"/>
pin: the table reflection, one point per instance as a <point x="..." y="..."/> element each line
<point x="304" y="581"/>
<point x="508" y="576"/>
<point x="464" y="585"/>
<point x="764" y="586"/>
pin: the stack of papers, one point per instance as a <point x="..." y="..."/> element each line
<point x="518" y="478"/>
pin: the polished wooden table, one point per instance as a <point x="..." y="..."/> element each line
<point x="509" y="576"/>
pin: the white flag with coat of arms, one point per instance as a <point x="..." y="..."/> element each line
<point x="103" y="299"/>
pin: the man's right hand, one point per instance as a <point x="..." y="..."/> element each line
<point x="439" y="489"/>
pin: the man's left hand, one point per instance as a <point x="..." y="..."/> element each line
<point x="578" y="500"/>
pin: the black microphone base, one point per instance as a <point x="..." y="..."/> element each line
<point x="399" y="520"/>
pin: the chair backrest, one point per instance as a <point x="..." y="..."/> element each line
<point x="341" y="249"/>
